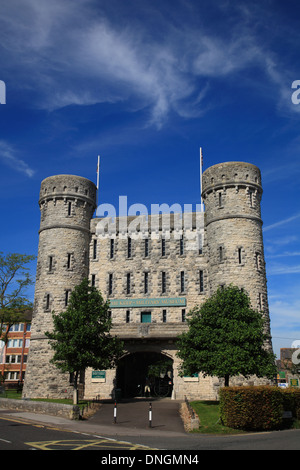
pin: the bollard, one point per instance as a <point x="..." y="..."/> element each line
<point x="150" y="415"/>
<point x="115" y="413"/>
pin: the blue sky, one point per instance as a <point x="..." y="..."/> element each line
<point x="145" y="84"/>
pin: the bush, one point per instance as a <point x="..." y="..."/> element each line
<point x="291" y="401"/>
<point x="251" y="408"/>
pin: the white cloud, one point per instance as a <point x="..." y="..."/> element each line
<point x="9" y="156"/>
<point x="281" y="222"/>
<point x="70" y="54"/>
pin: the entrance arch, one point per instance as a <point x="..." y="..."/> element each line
<point x="139" y="370"/>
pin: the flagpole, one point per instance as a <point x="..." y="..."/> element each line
<point x="201" y="163"/>
<point x="98" y="172"/>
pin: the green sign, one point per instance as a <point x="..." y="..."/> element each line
<point x="158" y="302"/>
<point x="294" y="383"/>
<point x="98" y="374"/>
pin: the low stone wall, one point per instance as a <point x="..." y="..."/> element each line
<point x="41" y="407"/>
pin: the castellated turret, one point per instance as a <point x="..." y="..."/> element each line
<point x="232" y="194"/>
<point x="67" y="204"/>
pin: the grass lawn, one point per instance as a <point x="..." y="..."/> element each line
<point x="65" y="401"/>
<point x="209" y="414"/>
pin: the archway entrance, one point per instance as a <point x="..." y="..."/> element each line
<point x="145" y="374"/>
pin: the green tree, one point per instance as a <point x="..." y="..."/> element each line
<point x="15" y="278"/>
<point x="226" y="338"/>
<point x="80" y="336"/>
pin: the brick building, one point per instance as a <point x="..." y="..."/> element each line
<point x="14" y="353"/>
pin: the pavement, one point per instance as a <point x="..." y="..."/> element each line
<point x="132" y="419"/>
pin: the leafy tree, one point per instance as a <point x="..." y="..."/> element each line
<point x="226" y="338"/>
<point x="15" y="278"/>
<point x="80" y="337"/>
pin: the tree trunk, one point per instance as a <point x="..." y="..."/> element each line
<point x="75" y="389"/>
<point x="226" y="377"/>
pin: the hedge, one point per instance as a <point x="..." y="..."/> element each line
<point x="258" y="408"/>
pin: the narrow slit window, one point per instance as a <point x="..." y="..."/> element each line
<point x="163" y="282"/>
<point x="146" y="278"/>
<point x="70" y="208"/>
<point x="163" y="247"/>
<point x="146" y="247"/>
<point x="128" y="283"/>
<point x="110" y="284"/>
<point x="201" y="280"/>
<point x="181" y="246"/>
<point x="47" y="301"/>
<point x="220" y="200"/>
<point x="182" y="281"/>
<point x="164" y="316"/>
<point x="95" y="249"/>
<point x="240" y="255"/>
<point x="129" y="248"/>
<point x="112" y="248"/>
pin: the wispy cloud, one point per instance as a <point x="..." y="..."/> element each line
<point x="10" y="157"/>
<point x="281" y="222"/>
<point x="85" y="55"/>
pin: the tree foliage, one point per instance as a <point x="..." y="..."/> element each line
<point x="80" y="336"/>
<point x="226" y="338"/>
<point x="15" y="278"/>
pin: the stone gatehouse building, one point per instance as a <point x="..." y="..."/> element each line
<point x="152" y="269"/>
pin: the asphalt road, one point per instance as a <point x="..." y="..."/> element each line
<point x="20" y="434"/>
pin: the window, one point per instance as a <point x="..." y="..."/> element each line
<point x="17" y="327"/>
<point x="182" y="281"/>
<point x="50" y="267"/>
<point x="163" y="247"/>
<point x="69" y="208"/>
<point x="110" y="284"/>
<point x="127" y="316"/>
<point x="251" y="198"/>
<point x="15" y="343"/>
<point x="220" y="200"/>
<point x="146" y="317"/>
<point x="93" y="280"/>
<point x="67" y="296"/>
<point x="69" y="261"/>
<point x="258" y="260"/>
<point x="164" y="316"/>
<point x="146" y="276"/>
<point x="240" y="255"/>
<point x="181" y="246"/>
<point x="47" y="301"/>
<point x="200" y="244"/>
<point x="146" y="247"/>
<point x="28" y="326"/>
<point x="112" y="248"/>
<point x="163" y="282"/>
<point x="128" y="283"/>
<point x="95" y="249"/>
<point x="201" y="281"/>
<point x="183" y="315"/>
<point x="129" y="248"/>
<point x="221" y="254"/>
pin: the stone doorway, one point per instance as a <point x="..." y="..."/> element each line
<point x="145" y="374"/>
